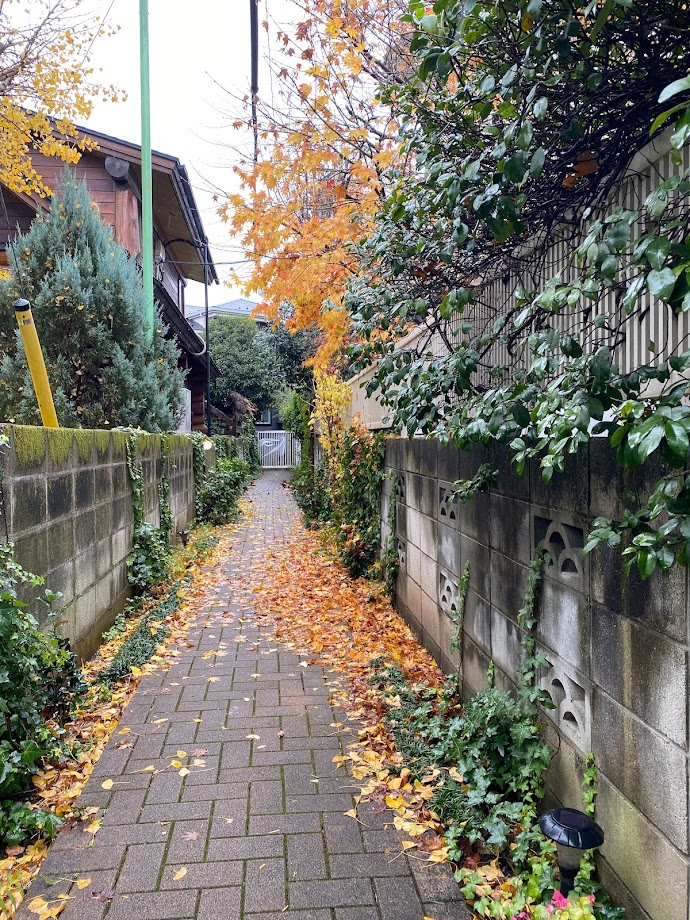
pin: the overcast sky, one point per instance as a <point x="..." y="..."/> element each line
<point x="196" y="47"/>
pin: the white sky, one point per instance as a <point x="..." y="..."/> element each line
<point x="192" y="44"/>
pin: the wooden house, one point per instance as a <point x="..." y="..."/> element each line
<point x="113" y="177"/>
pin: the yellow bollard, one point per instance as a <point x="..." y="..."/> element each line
<point x="37" y="366"/>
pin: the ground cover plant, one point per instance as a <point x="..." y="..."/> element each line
<point x="59" y="752"/>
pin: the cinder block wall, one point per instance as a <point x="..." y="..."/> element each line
<point x="67" y="507"/>
<point x="618" y="647"/>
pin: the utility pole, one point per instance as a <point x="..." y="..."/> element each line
<point x="254" y="43"/>
<point x="146" y="171"/>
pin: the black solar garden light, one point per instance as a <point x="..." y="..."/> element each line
<point x="573" y="832"/>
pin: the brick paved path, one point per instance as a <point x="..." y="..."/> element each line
<point x="259" y="827"/>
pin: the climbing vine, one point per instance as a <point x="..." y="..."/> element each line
<point x="459" y="615"/>
<point x="148" y="558"/>
<point x="531" y="662"/>
<point x="390" y="560"/>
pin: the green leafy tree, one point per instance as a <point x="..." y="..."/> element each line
<point x="528" y="257"/>
<point x="294" y="350"/>
<point x="248" y="363"/>
<point x="88" y="306"/>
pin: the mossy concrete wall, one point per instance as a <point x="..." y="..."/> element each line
<point x="67" y="507"/>
<point x="617" y="646"/>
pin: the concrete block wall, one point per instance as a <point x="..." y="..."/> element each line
<point x="67" y="507"/>
<point x="617" y="646"/>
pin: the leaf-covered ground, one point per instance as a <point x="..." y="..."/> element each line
<point x="346" y="625"/>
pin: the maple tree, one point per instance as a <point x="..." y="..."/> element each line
<point x="326" y="147"/>
<point x="46" y="84"/>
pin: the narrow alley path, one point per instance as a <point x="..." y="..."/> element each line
<point x="225" y="803"/>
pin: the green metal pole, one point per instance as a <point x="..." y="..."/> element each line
<point x="146" y="180"/>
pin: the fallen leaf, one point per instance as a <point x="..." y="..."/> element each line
<point x="103" y="896"/>
<point x="93" y="828"/>
<point x="107" y="784"/>
<point x="180" y="874"/>
<point x="83" y="883"/>
<point x="183" y="772"/>
<point x="191" y="835"/>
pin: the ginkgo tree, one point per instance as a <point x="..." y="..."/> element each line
<point x="326" y="146"/>
<point x="46" y="85"/>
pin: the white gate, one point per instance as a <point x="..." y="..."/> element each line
<point x="279" y="450"/>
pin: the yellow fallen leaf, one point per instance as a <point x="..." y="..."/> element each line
<point x="253" y="737"/>
<point x="93" y="828"/>
<point x="181" y="753"/>
<point x="36" y="905"/>
<point x="183" y="772"/>
<point x="176" y="763"/>
<point x="179" y="874"/>
<point x="107" y="784"/>
<point x="83" y="883"/>
<point x="408" y="844"/>
<point x="125" y="731"/>
<point x="136" y="671"/>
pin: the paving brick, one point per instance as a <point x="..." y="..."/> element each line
<point x="142" y="867"/>
<point x="306" y="857"/>
<point x="342" y="834"/>
<point x="338" y="802"/>
<point x="334" y="893"/>
<point x="178" y="811"/>
<point x="304" y="823"/>
<point x="202" y="875"/>
<point x="157" y="905"/>
<point x="231" y="848"/>
<point x="266" y="798"/>
<point x="188" y="841"/>
<point x="375" y="865"/>
<point x="398" y="899"/>
<point x="264" y="887"/>
<point x="293" y="915"/>
<point x="219" y="904"/>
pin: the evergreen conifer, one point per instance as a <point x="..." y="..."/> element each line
<point x="88" y="306"/>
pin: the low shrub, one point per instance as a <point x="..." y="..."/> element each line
<point x="149" y="557"/>
<point x="39" y="681"/>
<point x="221" y="490"/>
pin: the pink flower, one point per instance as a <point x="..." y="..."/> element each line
<point x="591" y="899"/>
<point x="558" y="900"/>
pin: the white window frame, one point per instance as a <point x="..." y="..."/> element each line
<point x="262" y="420"/>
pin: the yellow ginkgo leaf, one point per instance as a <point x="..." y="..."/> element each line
<point x="93" y="828"/>
<point x="83" y="883"/>
<point x="180" y="874"/>
<point x="176" y="763"/>
<point x="36" y="905"/>
<point x="181" y="753"/>
<point x="183" y="772"/>
<point x="107" y="784"/>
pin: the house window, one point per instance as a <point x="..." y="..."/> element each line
<point x="264" y="418"/>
